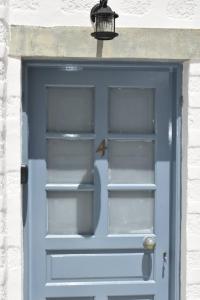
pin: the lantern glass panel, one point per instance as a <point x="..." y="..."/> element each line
<point x="105" y="23"/>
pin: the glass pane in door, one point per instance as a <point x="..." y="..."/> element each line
<point x="79" y="298"/>
<point x="131" y="162"/>
<point x="70" y="213"/>
<point x="131" y="110"/>
<point x="131" y="212"/>
<point x="128" y="298"/>
<point x="70" y="109"/>
<point x="70" y="161"/>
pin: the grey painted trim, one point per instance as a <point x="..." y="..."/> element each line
<point x="176" y="204"/>
<point x="130" y="137"/>
<point x="24" y="159"/>
<point x="70" y="137"/>
<point x="69" y="187"/>
<point x="176" y="71"/>
<point x="76" y="42"/>
<point x="131" y="187"/>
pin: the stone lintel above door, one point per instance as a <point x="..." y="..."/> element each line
<point x="132" y="43"/>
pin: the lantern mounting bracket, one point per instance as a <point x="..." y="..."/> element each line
<point x="103" y="3"/>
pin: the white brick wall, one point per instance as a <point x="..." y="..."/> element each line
<point x="193" y="187"/>
<point x="13" y="187"/>
<point x="3" y="202"/>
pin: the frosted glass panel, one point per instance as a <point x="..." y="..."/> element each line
<point x="131" y="110"/>
<point x="131" y="212"/>
<point x="130" y="298"/>
<point x="70" y="212"/>
<point x="70" y="161"/>
<point x="70" y="109"/>
<point x="73" y="298"/>
<point x="131" y="162"/>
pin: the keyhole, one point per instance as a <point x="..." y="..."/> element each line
<point x="164" y="264"/>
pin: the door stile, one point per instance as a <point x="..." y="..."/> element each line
<point x="37" y="202"/>
<point x="101" y="162"/>
<point x="162" y="195"/>
<point x="175" y="205"/>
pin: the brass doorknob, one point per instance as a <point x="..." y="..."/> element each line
<point x="149" y="243"/>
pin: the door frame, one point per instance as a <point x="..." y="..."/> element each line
<point x="175" y="70"/>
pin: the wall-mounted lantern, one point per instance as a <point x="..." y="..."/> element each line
<point x="103" y="19"/>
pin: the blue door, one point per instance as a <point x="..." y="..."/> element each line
<point x="99" y="158"/>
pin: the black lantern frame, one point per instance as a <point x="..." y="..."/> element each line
<point x="103" y="18"/>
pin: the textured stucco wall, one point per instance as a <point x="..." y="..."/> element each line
<point x="133" y="13"/>
<point x="3" y="202"/>
<point x="13" y="187"/>
<point x="193" y="183"/>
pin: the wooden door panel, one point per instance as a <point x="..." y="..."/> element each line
<point x="90" y="212"/>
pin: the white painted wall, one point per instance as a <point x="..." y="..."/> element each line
<point x="133" y="13"/>
<point x="13" y="187"/>
<point x="193" y="183"/>
<point x="3" y="202"/>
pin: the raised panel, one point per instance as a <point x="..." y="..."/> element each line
<point x="93" y="266"/>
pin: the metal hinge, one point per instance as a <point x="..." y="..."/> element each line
<point x="23" y="96"/>
<point x="24" y="174"/>
<point x="181" y="101"/>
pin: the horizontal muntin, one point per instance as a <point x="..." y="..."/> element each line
<point x="92" y="136"/>
<point x="90" y="187"/>
<point x="70" y="136"/>
<point x="131" y="137"/>
<point x="131" y="187"/>
<point x="69" y="187"/>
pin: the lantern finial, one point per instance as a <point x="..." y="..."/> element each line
<point x="103" y="3"/>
